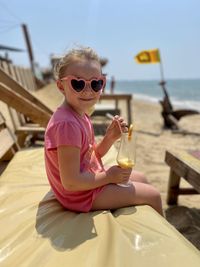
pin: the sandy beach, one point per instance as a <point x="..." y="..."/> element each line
<point x="152" y="142"/>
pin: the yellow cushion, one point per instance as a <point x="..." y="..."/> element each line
<point x="37" y="231"/>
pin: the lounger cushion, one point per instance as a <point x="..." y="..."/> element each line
<point x="37" y="231"/>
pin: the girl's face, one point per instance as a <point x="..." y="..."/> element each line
<point x="82" y="101"/>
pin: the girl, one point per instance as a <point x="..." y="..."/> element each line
<point x="73" y="159"/>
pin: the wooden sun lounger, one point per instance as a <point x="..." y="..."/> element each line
<point x="24" y="105"/>
<point x="37" y="231"/>
<point x="31" y="116"/>
<point x="170" y="116"/>
<point x="186" y="165"/>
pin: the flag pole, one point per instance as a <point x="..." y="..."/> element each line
<point x="162" y="82"/>
<point x="161" y="69"/>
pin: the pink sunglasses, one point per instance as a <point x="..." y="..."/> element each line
<point x="79" y="84"/>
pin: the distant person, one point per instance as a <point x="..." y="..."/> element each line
<point x="112" y="84"/>
<point x="73" y="162"/>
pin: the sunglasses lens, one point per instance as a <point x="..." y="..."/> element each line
<point x="77" y="85"/>
<point x="97" y="85"/>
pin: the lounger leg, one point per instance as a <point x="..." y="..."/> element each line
<point x="173" y="188"/>
<point x="21" y="137"/>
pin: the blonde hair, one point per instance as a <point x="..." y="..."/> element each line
<point x="72" y="56"/>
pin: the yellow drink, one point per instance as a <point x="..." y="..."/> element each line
<point x="126" y="163"/>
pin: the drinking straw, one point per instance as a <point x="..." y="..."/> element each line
<point x="112" y="117"/>
<point x="119" y="125"/>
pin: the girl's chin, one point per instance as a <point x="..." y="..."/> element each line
<point x="87" y="104"/>
<point x="89" y="109"/>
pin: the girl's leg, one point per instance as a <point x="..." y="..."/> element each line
<point x="137" y="176"/>
<point x="115" y="196"/>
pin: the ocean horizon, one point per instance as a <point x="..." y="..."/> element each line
<point x="184" y="93"/>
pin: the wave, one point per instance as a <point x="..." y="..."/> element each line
<point x="189" y="104"/>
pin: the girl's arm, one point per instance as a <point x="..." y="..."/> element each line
<point x="74" y="180"/>
<point x="112" y="134"/>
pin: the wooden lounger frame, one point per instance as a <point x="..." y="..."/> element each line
<point x="182" y="165"/>
<point x="170" y="116"/>
<point x="8" y="146"/>
<point x="117" y="98"/>
<point x="28" y="114"/>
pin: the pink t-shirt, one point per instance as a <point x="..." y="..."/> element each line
<point x="66" y="127"/>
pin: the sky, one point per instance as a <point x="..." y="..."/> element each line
<point x="116" y="30"/>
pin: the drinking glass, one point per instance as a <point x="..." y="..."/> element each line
<point x="127" y="151"/>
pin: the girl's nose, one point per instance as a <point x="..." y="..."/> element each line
<point x="88" y="88"/>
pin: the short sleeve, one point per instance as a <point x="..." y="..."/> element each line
<point x="63" y="133"/>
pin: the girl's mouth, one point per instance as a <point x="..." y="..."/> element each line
<point x="86" y="99"/>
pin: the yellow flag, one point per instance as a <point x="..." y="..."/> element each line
<point x="148" y="56"/>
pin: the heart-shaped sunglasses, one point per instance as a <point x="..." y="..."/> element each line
<point x="79" y="84"/>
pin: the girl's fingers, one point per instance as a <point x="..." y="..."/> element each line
<point x="120" y="120"/>
<point x="116" y="117"/>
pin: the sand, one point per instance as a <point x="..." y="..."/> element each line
<point x="152" y="142"/>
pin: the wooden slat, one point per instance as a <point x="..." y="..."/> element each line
<point x="28" y="78"/>
<point x="17" y="118"/>
<point x="23" y="72"/>
<point x="5" y="67"/>
<point x="2" y="120"/>
<point x="13" y="116"/>
<point x="30" y="129"/>
<point x="21" y="79"/>
<point x="103" y="112"/>
<point x="31" y="81"/>
<point x="16" y="74"/>
<point x="6" y="142"/>
<point x="187" y="191"/>
<point x="12" y="72"/>
<point x="23" y="105"/>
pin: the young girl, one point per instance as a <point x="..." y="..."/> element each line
<point x="73" y="159"/>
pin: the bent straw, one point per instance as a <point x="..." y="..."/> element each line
<point x="130" y="131"/>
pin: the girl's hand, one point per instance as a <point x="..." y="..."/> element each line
<point x="117" y="175"/>
<point x="117" y="126"/>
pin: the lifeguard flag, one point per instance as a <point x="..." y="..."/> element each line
<point x="148" y="56"/>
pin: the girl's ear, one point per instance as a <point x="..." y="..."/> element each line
<point x="60" y="86"/>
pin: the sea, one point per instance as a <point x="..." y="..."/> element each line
<point x="183" y="93"/>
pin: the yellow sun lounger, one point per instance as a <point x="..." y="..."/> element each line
<point x="37" y="231"/>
